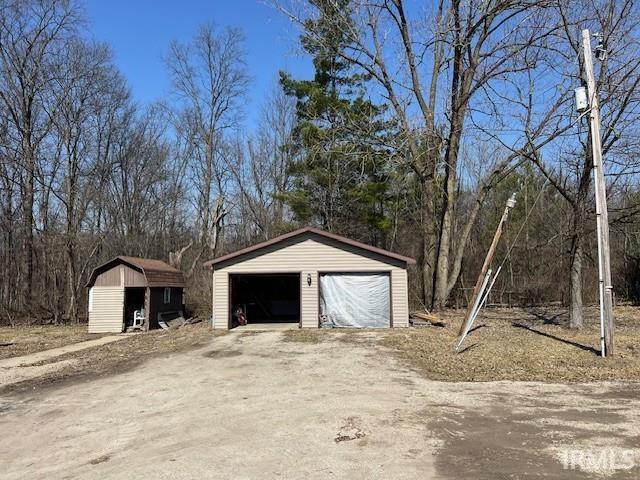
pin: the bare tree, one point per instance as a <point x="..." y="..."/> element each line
<point x="31" y="34"/>
<point x="9" y="194"/>
<point x="260" y="168"/>
<point x="569" y="166"/>
<point x="209" y="81"/>
<point x="82" y="81"/>
<point x="467" y="49"/>
<point x="138" y="178"/>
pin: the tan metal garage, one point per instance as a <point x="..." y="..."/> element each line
<point x="313" y="278"/>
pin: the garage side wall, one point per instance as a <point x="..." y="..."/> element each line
<point x="400" y="297"/>
<point x="220" y="299"/>
<point x="309" y="256"/>
<point x="106" y="312"/>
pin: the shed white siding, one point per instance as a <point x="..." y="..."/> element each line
<point x="106" y="311"/>
<point x="309" y="255"/>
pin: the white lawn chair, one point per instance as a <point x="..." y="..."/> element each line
<point x="138" y="319"/>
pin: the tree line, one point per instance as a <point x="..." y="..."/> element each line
<point x="417" y="125"/>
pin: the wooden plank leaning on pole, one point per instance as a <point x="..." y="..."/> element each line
<point x="483" y="273"/>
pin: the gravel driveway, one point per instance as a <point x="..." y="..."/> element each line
<point x="251" y="406"/>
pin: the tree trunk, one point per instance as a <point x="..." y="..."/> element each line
<point x="441" y="292"/>
<point x="10" y="273"/>
<point x="460" y="87"/>
<point x="427" y="259"/>
<point x="175" y="258"/>
<point x="577" y="257"/>
<point x="72" y="177"/>
<point x="575" y="317"/>
<point x="462" y="239"/>
<point x="27" y="224"/>
<point x="72" y="279"/>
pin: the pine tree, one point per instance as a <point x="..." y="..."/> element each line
<point x="343" y="176"/>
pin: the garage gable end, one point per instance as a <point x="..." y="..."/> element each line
<point x="307" y="246"/>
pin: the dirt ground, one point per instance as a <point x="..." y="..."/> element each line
<point x="26" y="339"/>
<point x="256" y="406"/>
<point x="15" y="370"/>
<point x="511" y="344"/>
<point x="108" y="359"/>
<point x="506" y="344"/>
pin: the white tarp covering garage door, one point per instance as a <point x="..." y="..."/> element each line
<point x="356" y="299"/>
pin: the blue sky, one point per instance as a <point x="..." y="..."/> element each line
<point x="139" y="32"/>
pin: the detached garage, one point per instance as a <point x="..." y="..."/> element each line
<point x="311" y="278"/>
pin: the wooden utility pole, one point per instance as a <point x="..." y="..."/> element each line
<point x="485" y="266"/>
<point x="602" y="216"/>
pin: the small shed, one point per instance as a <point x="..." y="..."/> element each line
<point x="311" y="278"/>
<point x="126" y="285"/>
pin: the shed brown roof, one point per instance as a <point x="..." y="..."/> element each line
<point x="156" y="272"/>
<point x="315" y="231"/>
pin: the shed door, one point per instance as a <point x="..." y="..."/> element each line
<point x="359" y="300"/>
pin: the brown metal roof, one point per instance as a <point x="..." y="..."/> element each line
<point x="315" y="231"/>
<point x="156" y="272"/>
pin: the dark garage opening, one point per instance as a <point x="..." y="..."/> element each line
<point x="267" y="298"/>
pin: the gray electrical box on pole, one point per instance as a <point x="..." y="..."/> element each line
<point x="582" y="101"/>
<point x="602" y="216"/>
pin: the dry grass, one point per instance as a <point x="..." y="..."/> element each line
<point x="311" y="335"/>
<point x="23" y="340"/>
<point x="510" y="344"/>
<point x="122" y="355"/>
<point x="305" y="335"/>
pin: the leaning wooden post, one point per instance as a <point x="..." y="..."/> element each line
<point x="485" y="266"/>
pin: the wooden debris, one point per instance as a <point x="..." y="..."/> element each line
<point x="427" y="317"/>
<point x="415" y="323"/>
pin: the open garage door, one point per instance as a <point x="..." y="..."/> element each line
<point x="360" y="300"/>
<point x="264" y="298"/>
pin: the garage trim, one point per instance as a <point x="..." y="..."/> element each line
<point x="315" y="231"/>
